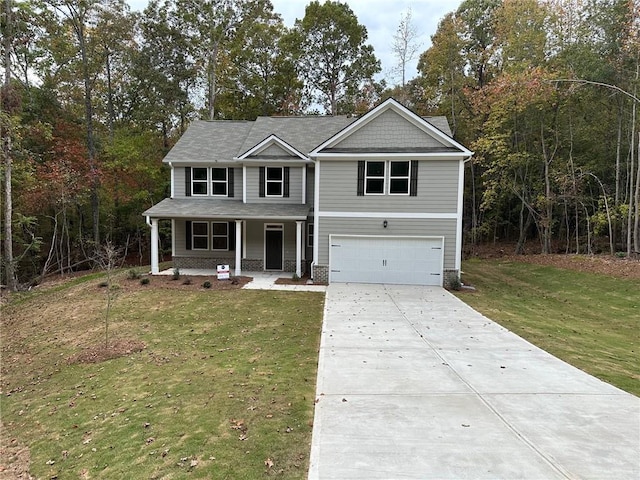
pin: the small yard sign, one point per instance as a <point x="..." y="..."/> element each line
<point x="223" y="272"/>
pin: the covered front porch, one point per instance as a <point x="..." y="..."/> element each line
<point x="254" y="237"/>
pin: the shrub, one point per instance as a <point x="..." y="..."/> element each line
<point x="295" y="277"/>
<point x="133" y="274"/>
<point x="145" y="281"/>
<point x="206" y="284"/>
<point x="176" y="274"/>
<point x="455" y="283"/>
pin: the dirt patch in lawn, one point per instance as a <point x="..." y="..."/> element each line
<point x="618" y="267"/>
<point x="14" y="460"/>
<point x="101" y="353"/>
<point x="604" y="265"/>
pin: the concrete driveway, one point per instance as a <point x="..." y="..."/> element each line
<point x="414" y="384"/>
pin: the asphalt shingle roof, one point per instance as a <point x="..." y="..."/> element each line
<point x="190" y="207"/>
<point x="224" y="140"/>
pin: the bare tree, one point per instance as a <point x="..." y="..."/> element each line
<point x="405" y="46"/>
<point x="108" y="258"/>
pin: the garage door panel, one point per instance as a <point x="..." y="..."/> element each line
<point x="394" y="260"/>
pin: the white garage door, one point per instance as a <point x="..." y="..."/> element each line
<point x="394" y="260"/>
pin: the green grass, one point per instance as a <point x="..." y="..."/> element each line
<point x="591" y="321"/>
<point x="227" y="381"/>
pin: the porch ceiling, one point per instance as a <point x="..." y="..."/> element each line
<point x="232" y="209"/>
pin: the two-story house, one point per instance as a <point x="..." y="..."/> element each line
<point x="374" y="199"/>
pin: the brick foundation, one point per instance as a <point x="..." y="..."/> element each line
<point x="202" y="262"/>
<point x="320" y="274"/>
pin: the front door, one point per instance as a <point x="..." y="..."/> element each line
<point x="273" y="244"/>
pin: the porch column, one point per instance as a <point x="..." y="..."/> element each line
<point x="238" y="270"/>
<point x="155" y="269"/>
<point x="299" y="248"/>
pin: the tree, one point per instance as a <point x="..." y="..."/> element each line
<point x="265" y="81"/>
<point x="405" y="46"/>
<point x="6" y="133"/>
<point x="334" y="59"/>
<point x="478" y="34"/>
<point x="85" y="57"/>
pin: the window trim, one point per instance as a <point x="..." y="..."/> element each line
<point x="367" y="177"/>
<point x="213" y="236"/>
<point x="398" y="177"/>
<point x="225" y="182"/>
<point x="194" y="181"/>
<point x="194" y="236"/>
<point x="267" y="182"/>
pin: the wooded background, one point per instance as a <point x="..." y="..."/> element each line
<point x="94" y="95"/>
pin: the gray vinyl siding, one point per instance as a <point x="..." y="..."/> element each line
<point x="387" y="130"/>
<point x="295" y="187"/>
<point x="254" y="236"/>
<point x="373" y="226"/>
<point x="311" y="174"/>
<point x="255" y="239"/>
<point x="181" y="246"/>
<point x="437" y="189"/>
<point x="179" y="182"/>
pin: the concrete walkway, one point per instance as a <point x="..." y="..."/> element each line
<point x="414" y="384"/>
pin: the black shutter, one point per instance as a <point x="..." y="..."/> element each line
<point x="232" y="236"/>
<point x="413" y="187"/>
<point x="285" y="191"/>
<point x="187" y="181"/>
<point x="230" y="182"/>
<point x="261" y="182"/>
<point x="361" y="167"/>
<point x="188" y="237"/>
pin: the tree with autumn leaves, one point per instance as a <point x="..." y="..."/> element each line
<point x="94" y="95"/>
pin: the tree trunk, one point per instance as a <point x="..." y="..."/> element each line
<point x="636" y="225"/>
<point x="91" y="148"/>
<point x="213" y="80"/>
<point x="12" y="281"/>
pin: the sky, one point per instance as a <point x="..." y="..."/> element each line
<point x="381" y="17"/>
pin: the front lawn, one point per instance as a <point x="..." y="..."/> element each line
<point x="223" y="389"/>
<point x="589" y="320"/>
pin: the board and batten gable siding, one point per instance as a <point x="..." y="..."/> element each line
<point x="437" y="189"/>
<point x="274" y="150"/>
<point x="180" y="179"/>
<point x="390" y="130"/>
<point x="395" y="227"/>
<point x="253" y="187"/>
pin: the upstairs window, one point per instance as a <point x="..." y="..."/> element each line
<point x="374" y="178"/>
<point x="387" y="177"/>
<point x="274" y="179"/>
<point x="399" y="177"/>
<point x="219" y="180"/>
<point x="199" y="181"/>
<point x="273" y="182"/>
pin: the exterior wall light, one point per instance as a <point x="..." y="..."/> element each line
<point x="385" y="223"/>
